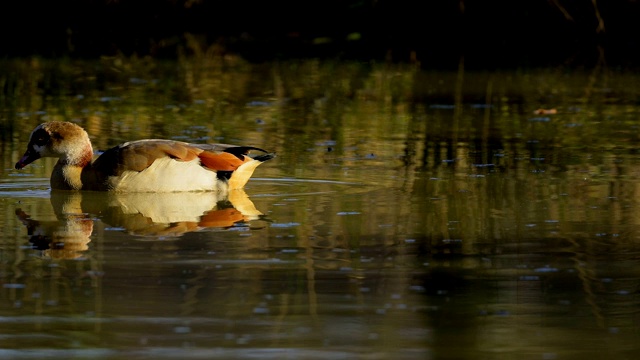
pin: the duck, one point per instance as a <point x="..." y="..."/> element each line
<point x="149" y="165"/>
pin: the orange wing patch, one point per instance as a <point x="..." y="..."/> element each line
<point x="220" y="161"/>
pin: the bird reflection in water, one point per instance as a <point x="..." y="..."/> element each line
<point x="149" y="215"/>
<point x="64" y="238"/>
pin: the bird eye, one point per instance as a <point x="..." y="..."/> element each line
<point x="40" y="138"/>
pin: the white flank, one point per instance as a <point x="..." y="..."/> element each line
<point x="167" y="175"/>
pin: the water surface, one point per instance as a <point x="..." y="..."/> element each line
<point x="409" y="214"/>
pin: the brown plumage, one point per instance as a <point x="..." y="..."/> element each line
<point x="139" y="166"/>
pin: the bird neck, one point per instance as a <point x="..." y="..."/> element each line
<point x="78" y="156"/>
<point x="67" y="173"/>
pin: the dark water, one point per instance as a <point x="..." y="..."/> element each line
<point x="408" y="215"/>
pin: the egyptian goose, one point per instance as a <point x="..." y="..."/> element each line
<point x="139" y="166"/>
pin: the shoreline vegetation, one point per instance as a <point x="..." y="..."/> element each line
<point x="207" y="97"/>
<point x="502" y="34"/>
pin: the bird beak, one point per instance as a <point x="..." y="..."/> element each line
<point x="26" y="159"/>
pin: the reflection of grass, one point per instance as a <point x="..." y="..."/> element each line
<point x="327" y="115"/>
<point x="510" y="182"/>
<point x="324" y="114"/>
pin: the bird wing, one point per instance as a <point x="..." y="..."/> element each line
<point x="139" y="155"/>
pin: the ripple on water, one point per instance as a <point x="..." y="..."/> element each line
<point x="23" y="186"/>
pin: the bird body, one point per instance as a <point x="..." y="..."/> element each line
<point x="151" y="165"/>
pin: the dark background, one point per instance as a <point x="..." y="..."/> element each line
<point x="435" y="34"/>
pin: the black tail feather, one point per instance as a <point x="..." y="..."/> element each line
<point x="265" y="157"/>
<point x="239" y="151"/>
<point x="224" y="175"/>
